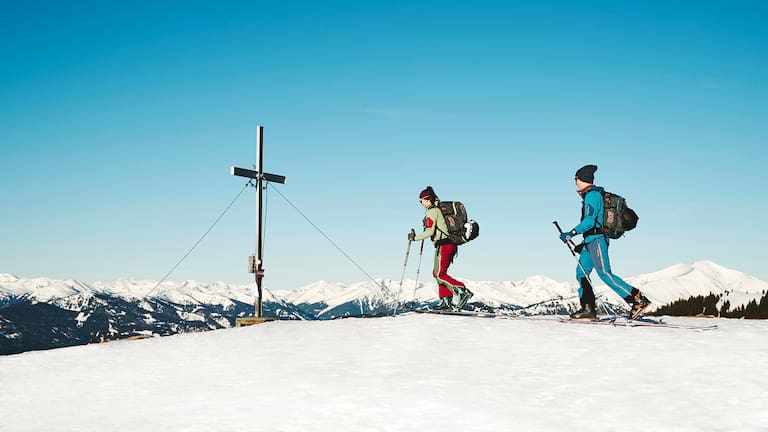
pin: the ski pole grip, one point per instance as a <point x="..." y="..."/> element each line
<point x="558" y="226"/>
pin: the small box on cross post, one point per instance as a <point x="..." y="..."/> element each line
<point x="253" y="264"/>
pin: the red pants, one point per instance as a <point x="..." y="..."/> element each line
<point x="446" y="285"/>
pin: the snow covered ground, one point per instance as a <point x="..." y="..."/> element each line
<point x="410" y="373"/>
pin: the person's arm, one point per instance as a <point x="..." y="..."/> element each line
<point x="430" y="222"/>
<point x="592" y="203"/>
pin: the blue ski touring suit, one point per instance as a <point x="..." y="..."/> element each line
<point x="594" y="255"/>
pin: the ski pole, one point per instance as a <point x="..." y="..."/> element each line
<point x="405" y="266"/>
<point x="418" y="270"/>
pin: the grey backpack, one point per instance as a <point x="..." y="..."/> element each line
<point x="460" y="229"/>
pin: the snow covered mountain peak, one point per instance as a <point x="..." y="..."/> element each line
<point x="8" y="278"/>
<point x="186" y="292"/>
<point x="703" y="272"/>
<point x="43" y="289"/>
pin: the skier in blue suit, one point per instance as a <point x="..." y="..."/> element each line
<point x="594" y="251"/>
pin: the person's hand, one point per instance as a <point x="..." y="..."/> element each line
<point x="564" y="237"/>
<point x="412" y="235"/>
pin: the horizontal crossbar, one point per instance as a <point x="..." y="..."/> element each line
<point x="242" y="172"/>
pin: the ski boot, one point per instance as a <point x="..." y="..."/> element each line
<point x="588" y="311"/>
<point x="445" y="304"/>
<point x="638" y="302"/>
<point x="464" y="296"/>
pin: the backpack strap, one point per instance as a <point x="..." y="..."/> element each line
<point x="444" y="240"/>
<point x="596" y="230"/>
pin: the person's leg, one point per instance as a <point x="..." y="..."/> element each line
<point x="598" y="249"/>
<point x="586" y="294"/>
<point x="442" y="290"/>
<point x="583" y="269"/>
<point x="447" y="252"/>
<point x="636" y="300"/>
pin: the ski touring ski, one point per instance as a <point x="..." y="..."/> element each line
<point x="467" y="313"/>
<point x="619" y="321"/>
<point x="482" y="314"/>
<point x="606" y="320"/>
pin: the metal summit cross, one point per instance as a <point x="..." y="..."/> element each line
<point x="255" y="262"/>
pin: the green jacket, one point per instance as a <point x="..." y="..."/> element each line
<point x="434" y="225"/>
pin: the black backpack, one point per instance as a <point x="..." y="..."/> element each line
<point x="617" y="217"/>
<point x="460" y="230"/>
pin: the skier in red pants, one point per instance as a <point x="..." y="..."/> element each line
<point x="436" y="228"/>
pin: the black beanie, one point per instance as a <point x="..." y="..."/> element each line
<point x="587" y="173"/>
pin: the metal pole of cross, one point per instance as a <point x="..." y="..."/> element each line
<point x="256" y="262"/>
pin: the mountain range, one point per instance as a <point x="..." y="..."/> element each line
<point x="42" y="313"/>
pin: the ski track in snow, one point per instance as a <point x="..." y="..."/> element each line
<point x="410" y="373"/>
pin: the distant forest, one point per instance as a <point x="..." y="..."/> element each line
<point x="701" y="305"/>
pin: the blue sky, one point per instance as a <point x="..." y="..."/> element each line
<point x="119" y="122"/>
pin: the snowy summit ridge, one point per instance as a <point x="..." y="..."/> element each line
<point x="39" y="313"/>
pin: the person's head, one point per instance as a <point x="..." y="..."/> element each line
<point x="585" y="177"/>
<point x="427" y="197"/>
